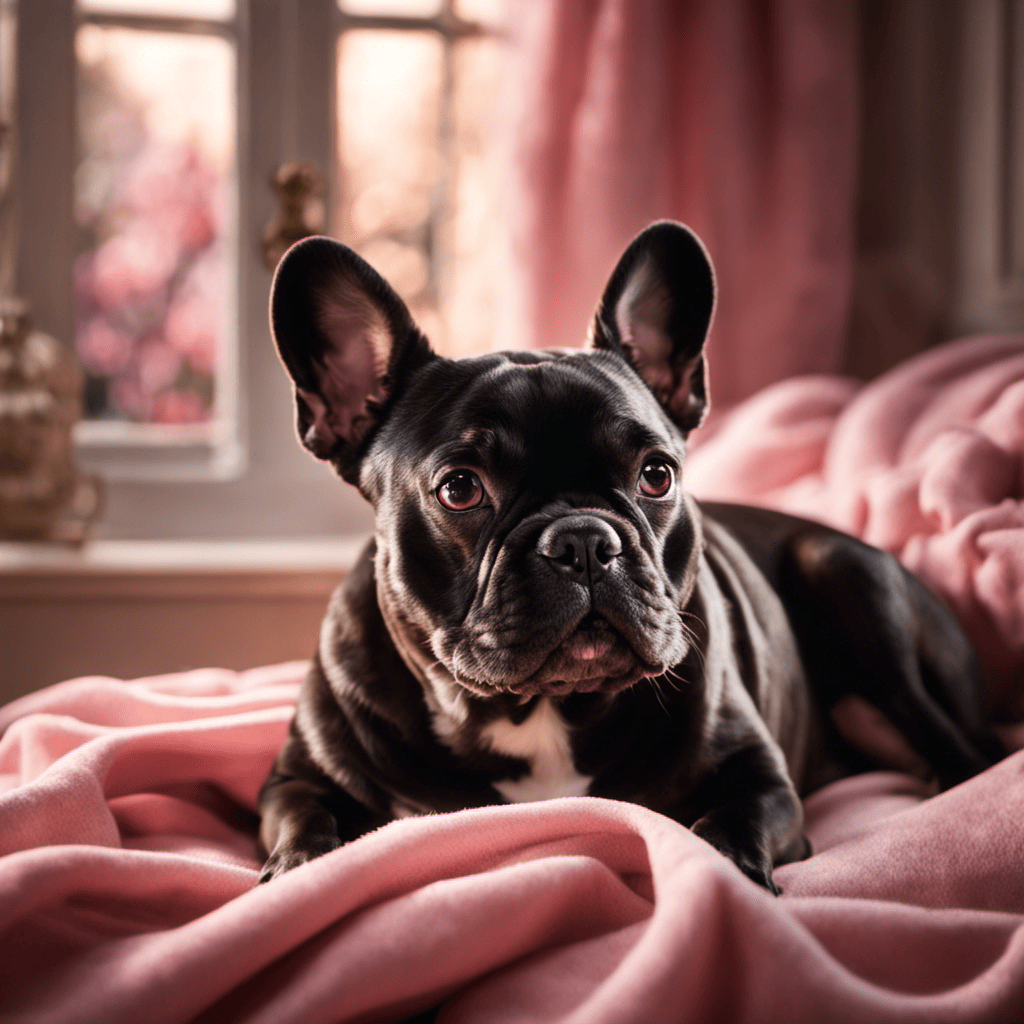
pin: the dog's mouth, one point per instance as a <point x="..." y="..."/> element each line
<point x="593" y="639"/>
<point x="594" y="656"/>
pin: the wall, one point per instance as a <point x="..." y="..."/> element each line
<point x="941" y="213"/>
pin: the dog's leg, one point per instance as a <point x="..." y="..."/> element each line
<point x="867" y="630"/>
<point x="305" y="814"/>
<point x="750" y="812"/>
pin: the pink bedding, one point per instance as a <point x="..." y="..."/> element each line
<point x="127" y="861"/>
<point x="926" y="462"/>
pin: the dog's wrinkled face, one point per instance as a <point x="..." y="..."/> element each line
<point x="531" y="527"/>
<point x="533" y="536"/>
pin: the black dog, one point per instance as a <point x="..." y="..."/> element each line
<point x="545" y="612"/>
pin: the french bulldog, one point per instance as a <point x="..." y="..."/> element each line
<point x="544" y="611"/>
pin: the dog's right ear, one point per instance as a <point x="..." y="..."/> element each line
<point x="348" y="342"/>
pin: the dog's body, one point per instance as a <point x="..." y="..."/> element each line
<point x="544" y="612"/>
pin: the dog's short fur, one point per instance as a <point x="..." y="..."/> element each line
<point x="545" y="612"/>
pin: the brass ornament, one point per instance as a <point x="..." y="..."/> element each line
<point x="299" y="188"/>
<point x="42" y="494"/>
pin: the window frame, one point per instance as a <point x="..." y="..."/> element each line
<point x="245" y="488"/>
<point x="259" y="482"/>
<point x="120" y="450"/>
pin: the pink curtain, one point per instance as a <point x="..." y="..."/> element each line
<point x="738" y="117"/>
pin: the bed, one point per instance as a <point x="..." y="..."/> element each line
<point x="128" y="808"/>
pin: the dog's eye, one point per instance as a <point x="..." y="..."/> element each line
<point x="655" y="479"/>
<point x="461" y="491"/>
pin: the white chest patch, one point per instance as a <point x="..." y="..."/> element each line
<point x="543" y="740"/>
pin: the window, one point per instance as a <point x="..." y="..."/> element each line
<point x="154" y="204"/>
<point x="418" y="200"/>
<point x="189" y="412"/>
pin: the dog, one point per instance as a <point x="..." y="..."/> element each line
<point x="544" y="611"/>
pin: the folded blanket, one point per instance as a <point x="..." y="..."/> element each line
<point x="127" y="811"/>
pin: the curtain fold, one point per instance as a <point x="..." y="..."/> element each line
<point x="738" y="117"/>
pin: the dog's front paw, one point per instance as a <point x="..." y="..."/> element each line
<point x="745" y="852"/>
<point x="291" y="855"/>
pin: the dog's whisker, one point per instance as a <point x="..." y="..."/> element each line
<point x="658" y="694"/>
<point x="673" y="678"/>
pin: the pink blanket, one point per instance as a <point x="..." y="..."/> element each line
<point x="926" y="462"/>
<point x="127" y="860"/>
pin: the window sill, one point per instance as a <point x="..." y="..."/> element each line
<point x="124" y="452"/>
<point x="119" y="569"/>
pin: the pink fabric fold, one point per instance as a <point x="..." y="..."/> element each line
<point x="128" y="871"/>
<point x="127" y="890"/>
<point x="128" y="863"/>
<point x="926" y="462"/>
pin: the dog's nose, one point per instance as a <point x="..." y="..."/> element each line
<point x="581" y="547"/>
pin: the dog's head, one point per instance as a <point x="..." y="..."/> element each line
<point x="532" y="533"/>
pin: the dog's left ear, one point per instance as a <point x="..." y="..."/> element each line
<point x="656" y="310"/>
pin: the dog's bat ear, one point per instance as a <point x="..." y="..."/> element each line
<point x="348" y="342"/>
<point x="656" y="310"/>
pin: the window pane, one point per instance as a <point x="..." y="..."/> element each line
<point x="406" y="8"/>
<point x="219" y="9"/>
<point x="389" y="103"/>
<point x="152" y="191"/>
<point x="487" y="12"/>
<point x="478" y="269"/>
